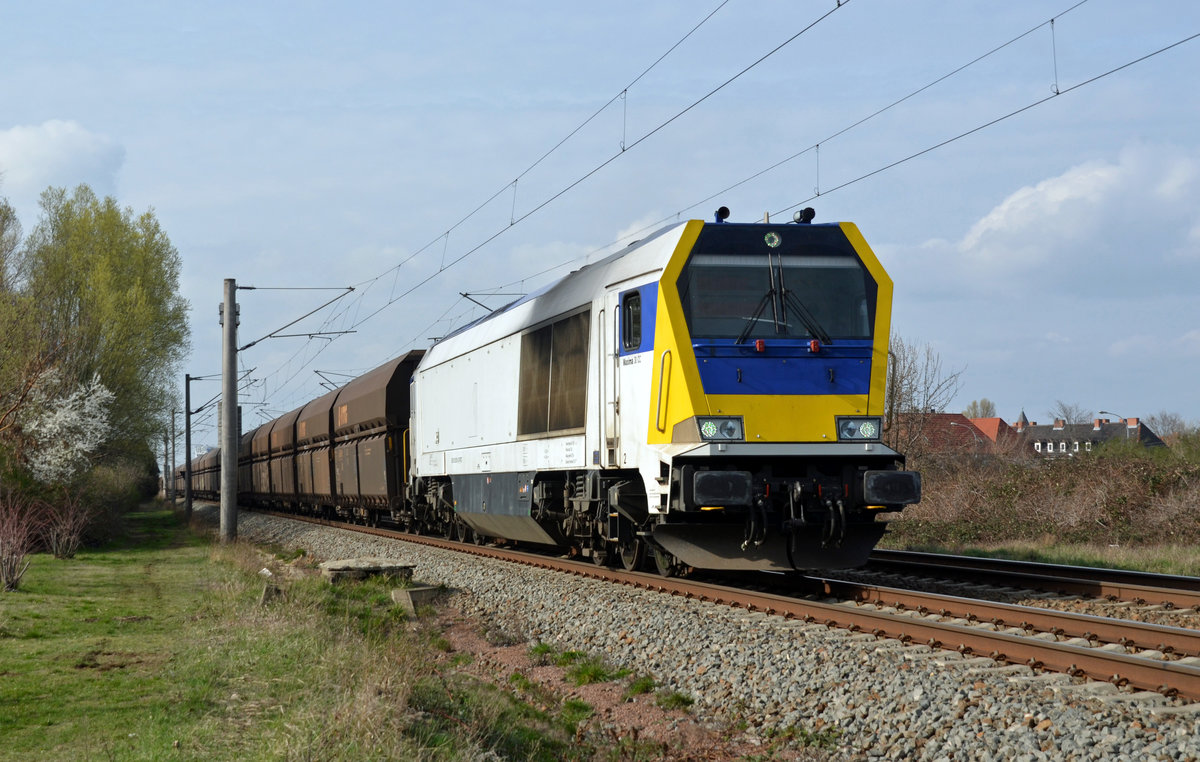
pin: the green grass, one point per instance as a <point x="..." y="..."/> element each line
<point x="671" y="700"/>
<point x="589" y="671"/>
<point x="639" y="686"/>
<point x="157" y="648"/>
<point x="1162" y="559"/>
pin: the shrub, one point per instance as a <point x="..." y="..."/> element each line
<point x="20" y="526"/>
<point x="1118" y="495"/>
<point x="65" y="522"/>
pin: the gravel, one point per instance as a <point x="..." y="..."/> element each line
<point x="879" y="698"/>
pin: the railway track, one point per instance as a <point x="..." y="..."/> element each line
<point x="1143" y="588"/>
<point x="1138" y="655"/>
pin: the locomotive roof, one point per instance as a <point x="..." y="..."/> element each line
<point x="572" y="291"/>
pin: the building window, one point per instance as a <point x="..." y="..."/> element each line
<point x="1037" y="446"/>
<point x="1076" y="447"/>
<point x="1087" y="446"/>
<point x="1062" y="446"/>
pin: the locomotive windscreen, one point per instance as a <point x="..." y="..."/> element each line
<point x="734" y="282"/>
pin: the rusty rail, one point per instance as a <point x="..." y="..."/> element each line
<point x="1115" y="584"/>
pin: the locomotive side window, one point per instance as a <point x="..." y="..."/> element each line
<point x="534" y="401"/>
<point x="568" y="373"/>
<point x="553" y="383"/>
<point x="631" y="321"/>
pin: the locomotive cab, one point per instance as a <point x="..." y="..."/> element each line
<point x="773" y="367"/>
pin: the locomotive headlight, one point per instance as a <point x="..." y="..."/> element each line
<point x="727" y="429"/>
<point x="858" y="429"/>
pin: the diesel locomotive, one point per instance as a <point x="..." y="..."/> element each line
<point x="709" y="397"/>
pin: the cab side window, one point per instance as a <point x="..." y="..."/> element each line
<point x="631" y="321"/>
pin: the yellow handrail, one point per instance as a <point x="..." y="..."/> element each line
<point x="664" y="373"/>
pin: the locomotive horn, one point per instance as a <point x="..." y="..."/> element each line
<point x="722" y="214"/>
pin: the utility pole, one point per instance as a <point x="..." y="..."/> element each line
<point x="187" y="448"/>
<point x="166" y="466"/>
<point x="173" y="412"/>
<point x="229" y="403"/>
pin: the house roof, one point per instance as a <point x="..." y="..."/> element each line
<point x="952" y="431"/>
<point x="1099" y="430"/>
<point x="994" y="429"/>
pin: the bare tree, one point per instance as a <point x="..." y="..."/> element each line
<point x="1070" y="412"/>
<point x="981" y="408"/>
<point x="1169" y="426"/>
<point x="918" y="387"/>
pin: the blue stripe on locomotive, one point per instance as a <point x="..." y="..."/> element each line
<point x="785" y="368"/>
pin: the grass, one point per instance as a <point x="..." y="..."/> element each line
<point x="1162" y="559"/>
<point x="157" y="648"/>
<point x="671" y="700"/>
<point x="639" y="686"/>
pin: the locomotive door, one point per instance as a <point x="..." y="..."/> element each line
<point x="610" y="378"/>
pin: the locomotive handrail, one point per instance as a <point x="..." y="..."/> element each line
<point x="664" y="370"/>
<point x="404" y="456"/>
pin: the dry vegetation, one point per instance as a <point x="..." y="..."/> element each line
<point x="1119" y="496"/>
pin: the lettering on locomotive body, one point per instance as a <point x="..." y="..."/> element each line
<point x="571" y="454"/>
<point x="631" y="359"/>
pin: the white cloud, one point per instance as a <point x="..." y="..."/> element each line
<point x="1071" y="197"/>
<point x="1131" y="222"/>
<point x="59" y="153"/>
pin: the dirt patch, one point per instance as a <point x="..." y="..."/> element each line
<point x="105" y="661"/>
<point x="632" y="727"/>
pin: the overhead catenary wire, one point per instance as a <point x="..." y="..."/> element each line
<point x="515" y="220"/>
<point x="393" y="298"/>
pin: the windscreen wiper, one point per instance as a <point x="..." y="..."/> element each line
<point x="810" y="322"/>
<point x="781" y="299"/>
<point x="772" y="298"/>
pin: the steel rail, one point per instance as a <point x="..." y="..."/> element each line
<point x="1062" y="624"/>
<point x="1115" y="584"/>
<point x="1171" y="678"/>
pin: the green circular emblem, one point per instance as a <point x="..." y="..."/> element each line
<point x="708" y="429"/>
<point x="868" y="430"/>
<point x="772" y="239"/>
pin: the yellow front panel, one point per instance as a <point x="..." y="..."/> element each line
<point x="796" y="418"/>
<point x="677" y="393"/>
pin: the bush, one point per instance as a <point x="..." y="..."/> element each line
<point x="20" y="526"/>
<point x="1118" y="495"/>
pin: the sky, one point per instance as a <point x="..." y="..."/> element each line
<point x="1033" y="188"/>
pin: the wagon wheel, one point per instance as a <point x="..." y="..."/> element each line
<point x="632" y="552"/>
<point x="665" y="563"/>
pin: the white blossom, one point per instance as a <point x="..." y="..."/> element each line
<point x="67" y="430"/>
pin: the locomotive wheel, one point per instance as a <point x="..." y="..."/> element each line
<point x="632" y="552"/>
<point x="664" y="562"/>
<point x="600" y="553"/>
